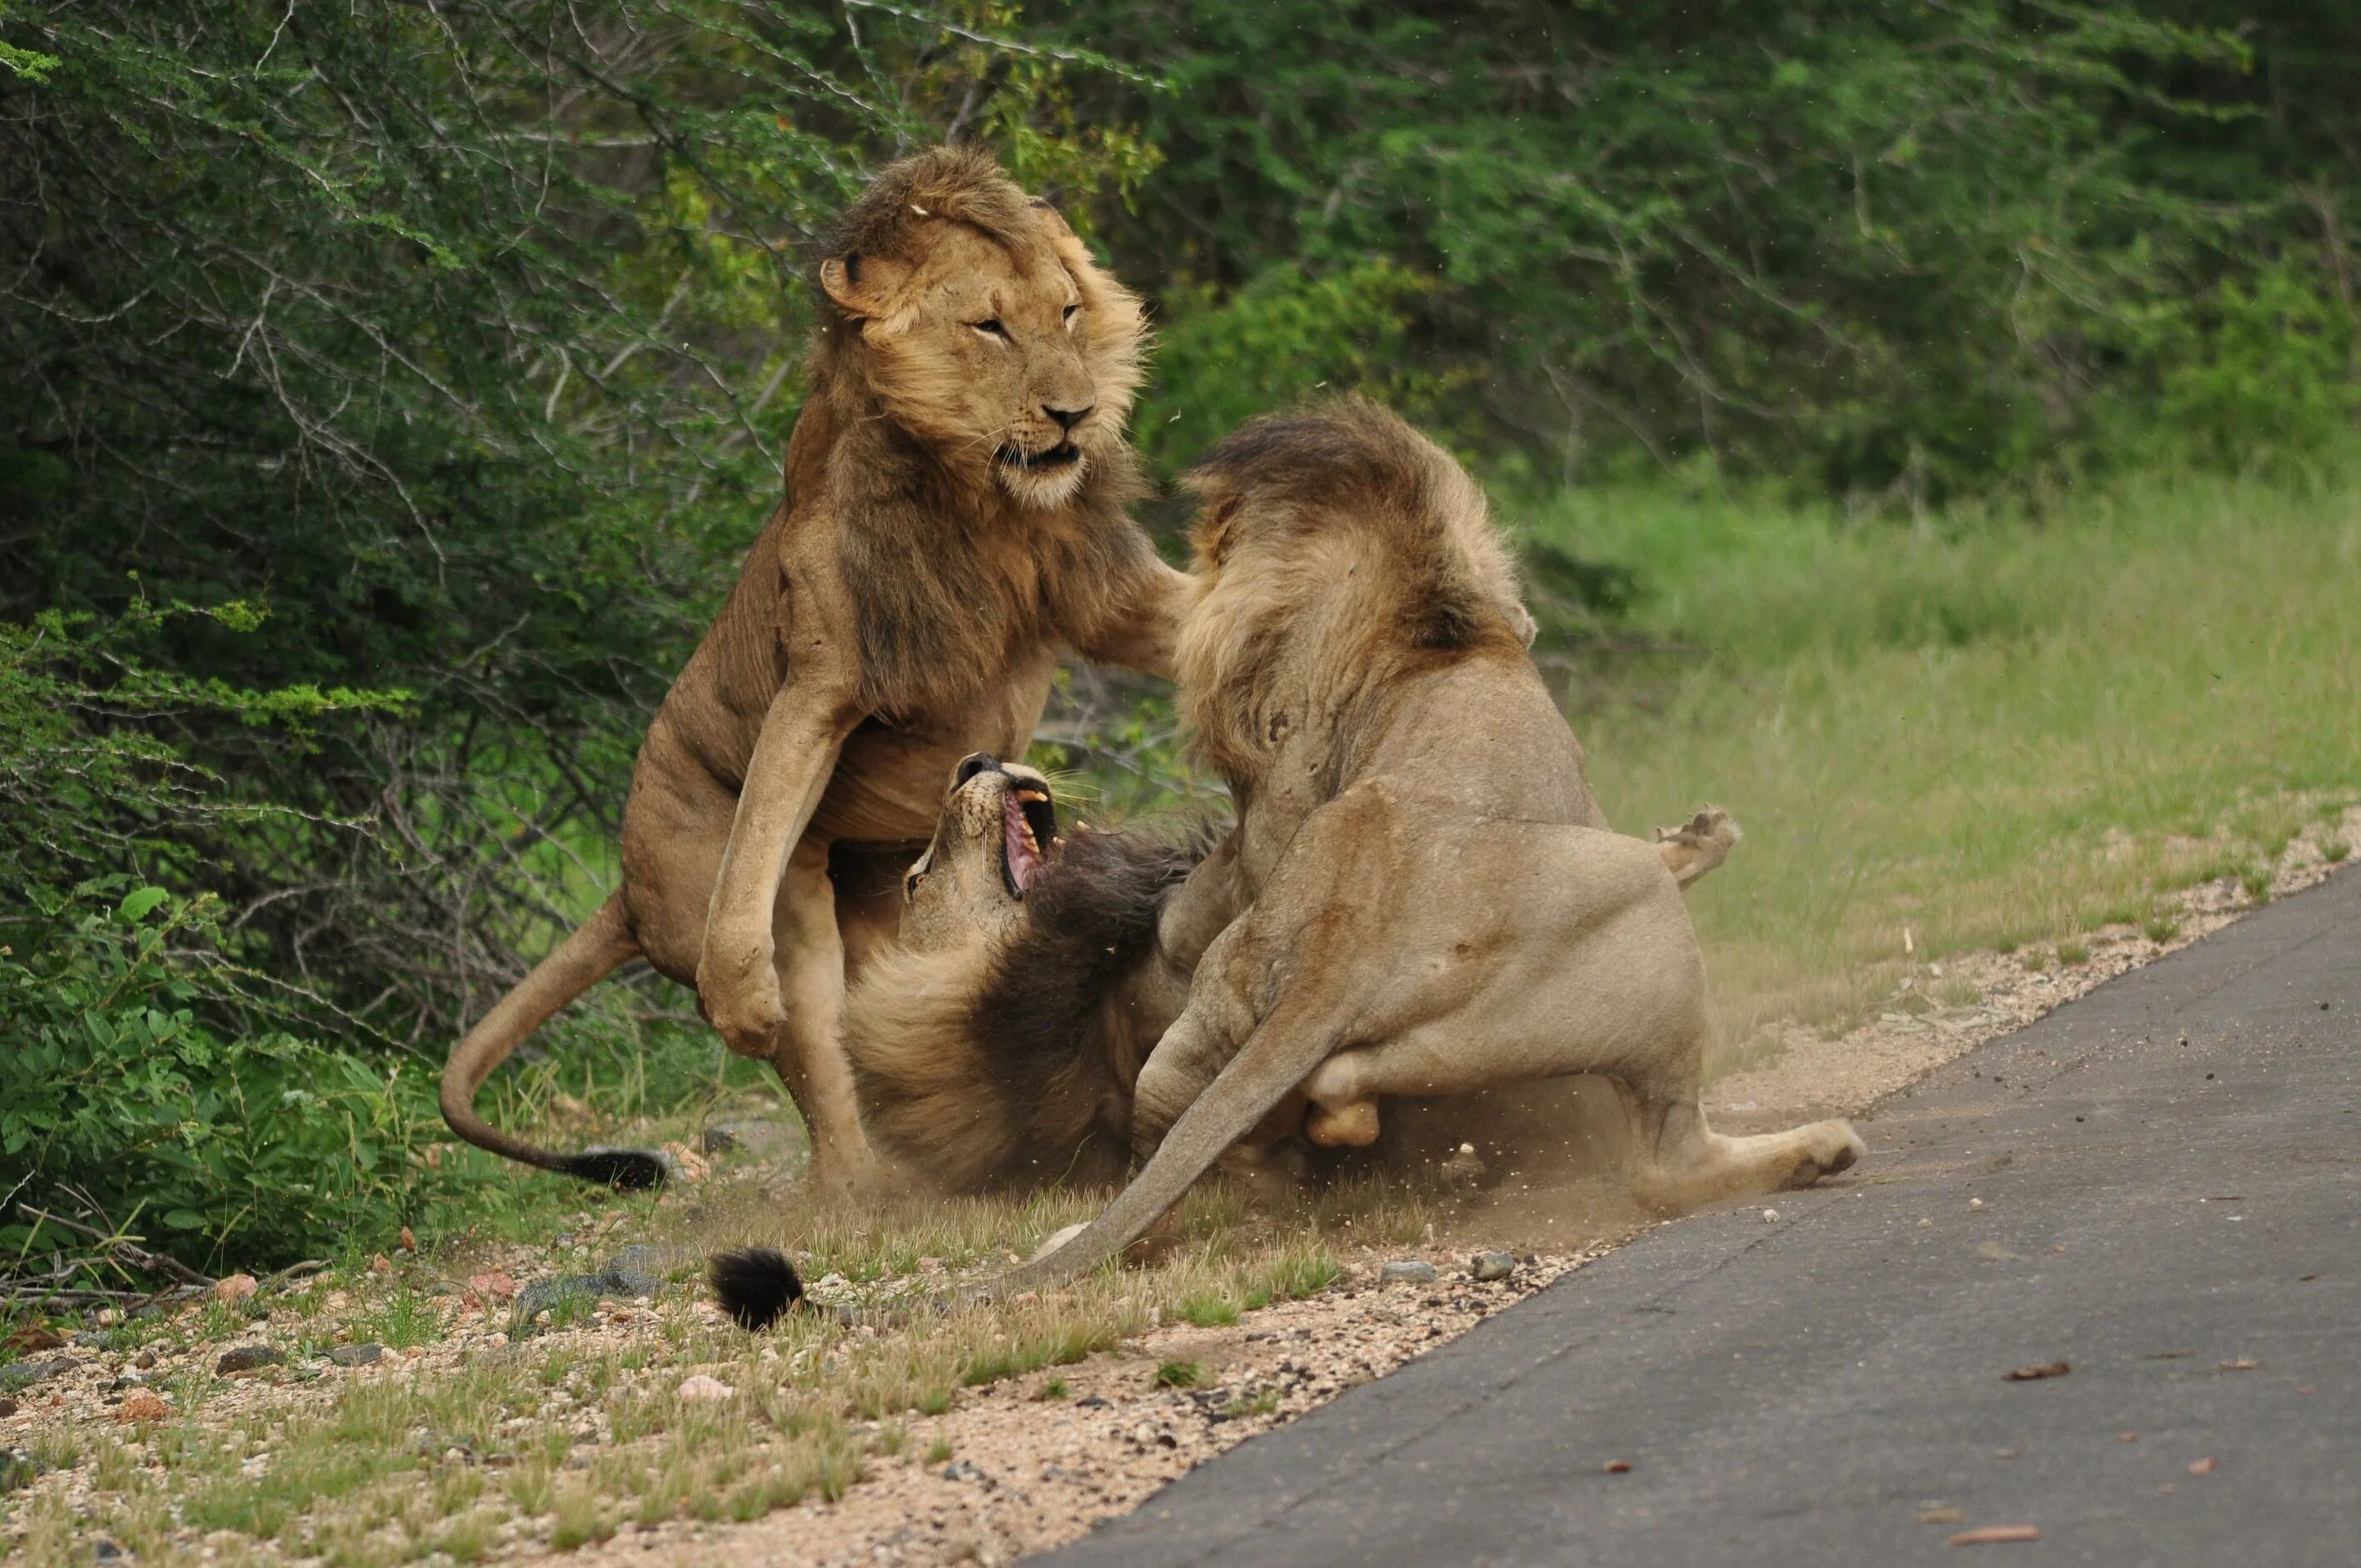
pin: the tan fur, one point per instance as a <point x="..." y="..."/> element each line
<point x="957" y="1095"/>
<point x="1434" y="902"/>
<point x="943" y="538"/>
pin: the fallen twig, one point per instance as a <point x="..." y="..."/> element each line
<point x="131" y="1252"/>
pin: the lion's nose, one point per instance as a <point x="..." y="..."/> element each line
<point x="1069" y="417"/>
<point x="975" y="763"/>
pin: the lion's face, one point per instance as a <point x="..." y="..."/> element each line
<point x="998" y="833"/>
<point x="1014" y="357"/>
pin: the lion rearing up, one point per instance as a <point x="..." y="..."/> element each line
<point x="954" y="519"/>
<point x="1433" y="903"/>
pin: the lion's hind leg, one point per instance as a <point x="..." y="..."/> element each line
<point x="1681" y="1163"/>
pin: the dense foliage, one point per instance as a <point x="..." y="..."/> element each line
<point x="460" y="343"/>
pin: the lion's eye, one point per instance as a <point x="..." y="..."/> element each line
<point x="910" y="886"/>
<point x="991" y="328"/>
<point x="1072" y="311"/>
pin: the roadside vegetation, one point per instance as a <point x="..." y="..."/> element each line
<point x="1995" y="730"/>
<point x="1930" y="430"/>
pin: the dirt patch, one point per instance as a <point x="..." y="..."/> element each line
<point x="1034" y="1462"/>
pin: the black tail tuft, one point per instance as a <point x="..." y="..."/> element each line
<point x="626" y="1170"/>
<point x="756" y="1286"/>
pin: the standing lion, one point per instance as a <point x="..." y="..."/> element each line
<point x="954" y="521"/>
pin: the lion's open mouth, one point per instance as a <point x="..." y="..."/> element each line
<point x="1028" y="835"/>
<point x="1057" y="456"/>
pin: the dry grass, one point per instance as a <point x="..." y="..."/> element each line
<point x="480" y="1447"/>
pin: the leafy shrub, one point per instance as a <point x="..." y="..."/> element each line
<point x="150" y="1081"/>
<point x="116" y="1096"/>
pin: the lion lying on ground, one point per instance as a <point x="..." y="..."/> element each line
<point x="954" y="519"/>
<point x="1432" y="902"/>
<point x="997" y="1044"/>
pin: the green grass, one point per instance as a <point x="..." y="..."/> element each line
<point x="1991" y="732"/>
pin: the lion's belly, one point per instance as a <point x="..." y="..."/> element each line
<point x="890" y="779"/>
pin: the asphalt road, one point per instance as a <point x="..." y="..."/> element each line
<point x="2159" y="1185"/>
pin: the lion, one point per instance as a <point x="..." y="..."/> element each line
<point x="955" y="517"/>
<point x="995" y="1045"/>
<point x="1432" y="902"/>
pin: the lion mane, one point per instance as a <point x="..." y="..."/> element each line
<point x="1009" y="1062"/>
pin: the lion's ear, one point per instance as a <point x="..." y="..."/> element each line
<point x="862" y="286"/>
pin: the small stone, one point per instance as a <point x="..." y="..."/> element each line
<point x="1407" y="1271"/>
<point x="1491" y="1265"/>
<point x="142" y="1406"/>
<point x="630" y="1283"/>
<point x="963" y="1470"/>
<point x="237" y="1288"/>
<point x="25" y="1373"/>
<point x="104" y="1551"/>
<point x="1618" y="1468"/>
<point x="446" y="1287"/>
<point x="7" y="1409"/>
<point x="17" y="1468"/>
<point x="640" y="1260"/>
<point x="542" y="1294"/>
<point x="702" y="1388"/>
<point x="498" y="1286"/>
<point x="367" y="1355"/>
<point x="755" y="1138"/>
<point x="1770" y="1216"/>
<point x="1975" y="1202"/>
<point x="145" y="1361"/>
<point x="247" y="1358"/>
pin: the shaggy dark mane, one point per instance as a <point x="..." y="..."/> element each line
<point x="936" y="599"/>
<point x="1090" y="921"/>
<point x="961" y="183"/>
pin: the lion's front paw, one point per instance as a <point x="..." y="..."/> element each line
<point x="746" y="1008"/>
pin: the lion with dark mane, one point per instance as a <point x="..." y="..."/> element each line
<point x="954" y="521"/>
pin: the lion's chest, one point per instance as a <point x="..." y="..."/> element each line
<point x="890" y="779"/>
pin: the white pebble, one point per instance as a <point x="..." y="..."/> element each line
<point x="1975" y="1202"/>
<point x="704" y="1388"/>
<point x="1770" y="1216"/>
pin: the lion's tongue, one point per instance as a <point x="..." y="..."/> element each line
<point x="1024" y="860"/>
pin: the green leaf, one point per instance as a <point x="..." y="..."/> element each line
<point x="184" y="1220"/>
<point x="138" y="901"/>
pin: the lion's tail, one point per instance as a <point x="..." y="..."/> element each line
<point x="601" y="945"/>
<point x="1699" y="845"/>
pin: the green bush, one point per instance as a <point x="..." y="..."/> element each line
<point x="150" y="1081"/>
<point x="118" y="1100"/>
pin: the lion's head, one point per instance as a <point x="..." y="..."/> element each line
<point x="998" y="833"/>
<point x="989" y="333"/>
<point x="1334" y="546"/>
